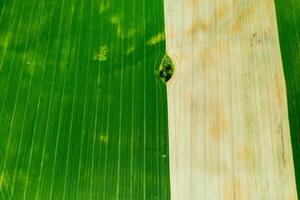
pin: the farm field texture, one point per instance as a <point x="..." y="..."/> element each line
<point x="149" y="99"/>
<point x="83" y="114"/>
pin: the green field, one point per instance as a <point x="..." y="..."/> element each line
<point x="83" y="114"/>
<point x="288" y="18"/>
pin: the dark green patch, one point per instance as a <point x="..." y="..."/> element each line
<point x="288" y="18"/>
<point x="166" y="69"/>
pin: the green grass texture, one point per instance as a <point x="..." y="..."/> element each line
<point x="83" y="114"/>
